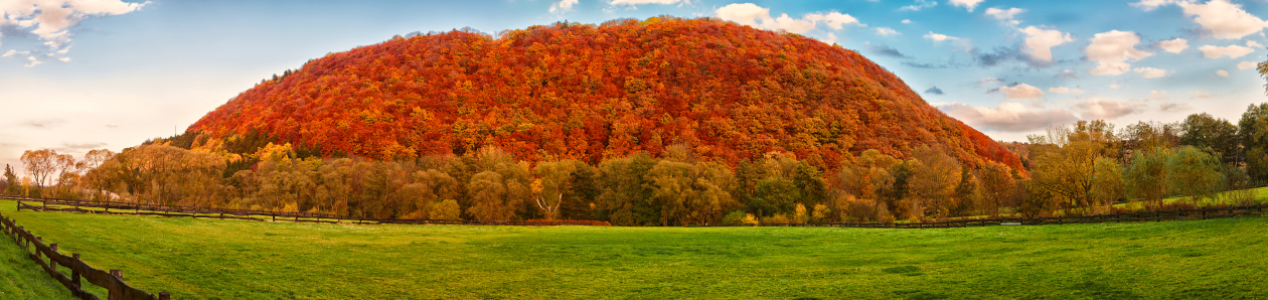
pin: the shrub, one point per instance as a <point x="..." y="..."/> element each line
<point x="776" y="219"/>
<point x="445" y="210"/>
<point x="734" y="218"/>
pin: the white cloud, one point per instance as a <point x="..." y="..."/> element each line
<point x="918" y="5"/>
<point x="1007" y="117"/>
<point x="1151" y="72"/>
<point x="756" y="16"/>
<point x="1059" y="90"/>
<point x="1222" y="73"/>
<point x="1253" y="44"/>
<point x="969" y="4"/>
<point x="835" y="20"/>
<point x="1021" y="91"/>
<point x="1008" y="16"/>
<point x="1111" y="50"/>
<point x="1174" y="46"/>
<point x="562" y="6"/>
<point x="10" y="53"/>
<point x="940" y="37"/>
<point x="989" y="80"/>
<point x="906" y="21"/>
<point x="1232" y="51"/>
<point x="641" y="2"/>
<point x="1104" y="109"/>
<point x="64" y="59"/>
<point x="33" y="62"/>
<point x="52" y="20"/>
<point x="1224" y="19"/>
<point x="1148" y="5"/>
<point x="886" y="31"/>
<point x="1246" y="65"/>
<point x="1039" y="42"/>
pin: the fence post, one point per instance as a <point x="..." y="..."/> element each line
<point x="19" y="204"/>
<point x="116" y="295"/>
<point x="74" y="272"/>
<point x="165" y="296"/>
<point x="52" y="264"/>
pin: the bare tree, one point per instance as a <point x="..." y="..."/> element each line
<point x="40" y="164"/>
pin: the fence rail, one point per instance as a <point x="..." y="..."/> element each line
<point x="47" y="257"/>
<point x="122" y="208"/>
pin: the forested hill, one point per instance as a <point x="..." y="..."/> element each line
<point x="592" y="92"/>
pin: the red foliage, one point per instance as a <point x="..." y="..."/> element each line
<point x="593" y="92"/>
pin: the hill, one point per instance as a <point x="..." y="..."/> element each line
<point x="591" y="93"/>
<point x="211" y="259"/>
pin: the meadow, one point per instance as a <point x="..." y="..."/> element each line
<point x="215" y="259"/>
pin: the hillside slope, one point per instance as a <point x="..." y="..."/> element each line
<point x="593" y="92"/>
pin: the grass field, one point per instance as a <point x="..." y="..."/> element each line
<point x="1260" y="195"/>
<point x="212" y="259"/>
<point x="21" y="278"/>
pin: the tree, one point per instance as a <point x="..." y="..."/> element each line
<point x="67" y="173"/>
<point x="691" y="193"/>
<point x="1211" y="134"/>
<point x="1194" y="174"/>
<point x="445" y="210"/>
<point x="1070" y="174"/>
<point x="999" y="188"/>
<point x="1253" y="134"/>
<point x="1145" y="136"/>
<point x="94" y="160"/>
<point x="1146" y="176"/>
<point x="554" y="180"/>
<point x="488" y="194"/>
<point x="40" y="164"/>
<point x="934" y="179"/>
<point x="623" y="187"/>
<point x="14" y="186"/>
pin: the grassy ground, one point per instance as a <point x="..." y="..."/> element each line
<point x="1259" y="194"/>
<point x="212" y="259"/>
<point x="21" y="278"/>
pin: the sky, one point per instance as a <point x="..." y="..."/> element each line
<point x="77" y="75"/>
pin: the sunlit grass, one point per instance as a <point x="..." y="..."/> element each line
<point x="1259" y="194"/>
<point x="213" y="259"/>
<point x="21" y="278"/>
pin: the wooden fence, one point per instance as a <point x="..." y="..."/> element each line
<point x="1205" y="213"/>
<point x="79" y="271"/>
<point x="121" y="208"/>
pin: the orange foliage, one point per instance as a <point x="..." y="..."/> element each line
<point x="592" y="92"/>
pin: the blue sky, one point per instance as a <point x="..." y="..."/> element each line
<point x="84" y="74"/>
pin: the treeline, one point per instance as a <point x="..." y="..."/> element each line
<point x="1086" y="168"/>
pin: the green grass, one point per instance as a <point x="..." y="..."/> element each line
<point x="1260" y="195"/>
<point x="22" y="278"/>
<point x="212" y="259"/>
